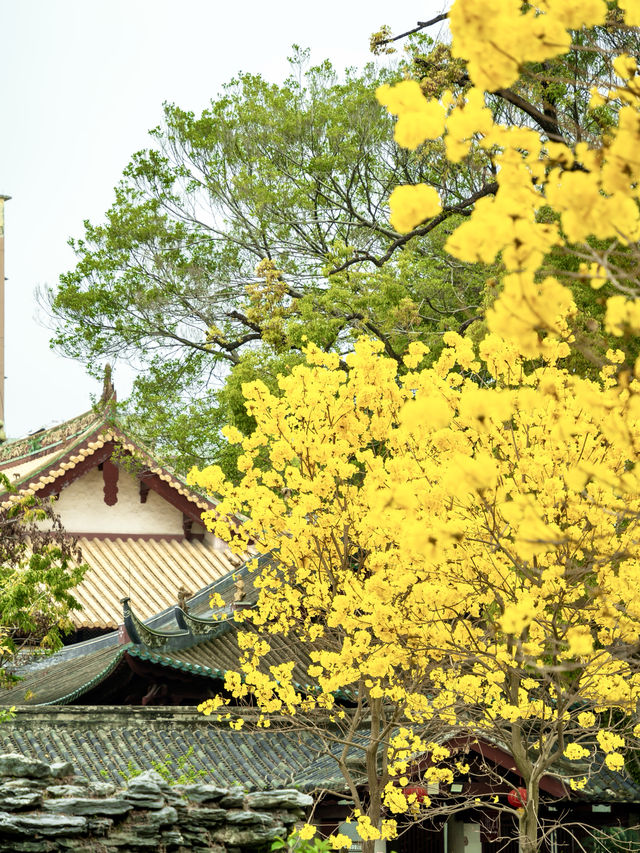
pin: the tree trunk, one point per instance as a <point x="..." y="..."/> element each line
<point x="528" y="827"/>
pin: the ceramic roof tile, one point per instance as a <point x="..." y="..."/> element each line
<point x="51" y="684"/>
<point x="150" y="572"/>
<point x="46" y="441"/>
<point x="115" y="743"/>
<point x="65" y="682"/>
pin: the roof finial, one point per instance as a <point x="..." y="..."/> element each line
<point x="108" y="391"/>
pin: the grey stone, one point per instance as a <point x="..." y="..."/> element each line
<point x="41" y="824"/>
<point x="66" y="790"/>
<point x="60" y="769"/>
<point x="14" y="785"/>
<point x="129" y="841"/>
<point x="144" y="801"/>
<point x="151" y="778"/>
<point x="207" y="816"/>
<point x="287" y="799"/>
<point x="87" y="806"/>
<point x="144" y="786"/>
<point x="146" y="791"/>
<point x="102" y="789"/>
<point x="234" y="800"/>
<point x="172" y="838"/>
<point x="21" y="799"/>
<point x="254" y="837"/>
<point x="14" y="764"/>
<point x="26" y="847"/>
<point x="201" y="793"/>
<point x="245" y="818"/>
<point x="163" y="817"/>
<point x="99" y="825"/>
<point x="289" y="816"/>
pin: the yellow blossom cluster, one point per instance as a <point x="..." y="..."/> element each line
<point x="591" y="188"/>
<point x="442" y="545"/>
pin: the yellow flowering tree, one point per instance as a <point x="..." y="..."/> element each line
<point x="457" y="546"/>
<point x="455" y="557"/>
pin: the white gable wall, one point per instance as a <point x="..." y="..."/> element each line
<point x="82" y="508"/>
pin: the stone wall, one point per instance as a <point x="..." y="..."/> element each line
<point x="47" y="807"/>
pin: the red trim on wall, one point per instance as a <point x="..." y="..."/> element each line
<point x="172" y="496"/>
<point x="549" y="784"/>
<point x="81" y="468"/>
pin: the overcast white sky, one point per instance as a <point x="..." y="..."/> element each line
<point x="82" y="82"/>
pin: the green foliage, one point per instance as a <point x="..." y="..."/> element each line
<point x="245" y="232"/>
<point x="175" y="771"/>
<point x="295" y="844"/>
<point x="39" y="567"/>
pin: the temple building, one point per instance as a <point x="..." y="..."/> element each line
<point x="138" y="523"/>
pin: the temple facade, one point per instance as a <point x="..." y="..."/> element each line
<point x="138" y="523"/>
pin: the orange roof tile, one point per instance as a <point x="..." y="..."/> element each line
<point x="150" y="571"/>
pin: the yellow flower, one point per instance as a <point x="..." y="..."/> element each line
<point x="411" y="205"/>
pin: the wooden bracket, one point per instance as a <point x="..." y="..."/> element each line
<point x="110" y="474"/>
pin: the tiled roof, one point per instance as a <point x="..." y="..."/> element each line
<point x="149" y="571"/>
<point x="80" y="446"/>
<point x="50" y="685"/>
<point x="111" y="744"/>
<point x="66" y="681"/>
<point x="49" y="440"/>
<point x="215" y="657"/>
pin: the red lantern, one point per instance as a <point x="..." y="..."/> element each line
<point x="420" y="792"/>
<point x="517" y="798"/>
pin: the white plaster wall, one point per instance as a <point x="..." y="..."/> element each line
<point x="82" y="508"/>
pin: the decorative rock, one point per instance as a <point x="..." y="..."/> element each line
<point x="255" y="837"/>
<point x="60" y="769"/>
<point x="145" y="792"/>
<point x="129" y="841"/>
<point x="66" y="790"/>
<point x="102" y="789"/>
<point x="151" y="777"/>
<point x="203" y="793"/>
<point x="99" y="825"/>
<point x="287" y="799"/>
<point x="144" y="801"/>
<point x="234" y="800"/>
<point x="41" y="824"/>
<point x="163" y="817"/>
<point x="288" y="816"/>
<point x="14" y="764"/>
<point x="86" y="806"/>
<point x="21" y="785"/>
<point x="207" y="816"/>
<point x="21" y="799"/>
<point x="246" y="818"/>
<point x="173" y="838"/>
<point x="148" y="814"/>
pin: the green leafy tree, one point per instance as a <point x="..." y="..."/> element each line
<point x="40" y="565"/>
<point x="249" y="229"/>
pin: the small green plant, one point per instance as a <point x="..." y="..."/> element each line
<point x="295" y="844"/>
<point x="174" y="771"/>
